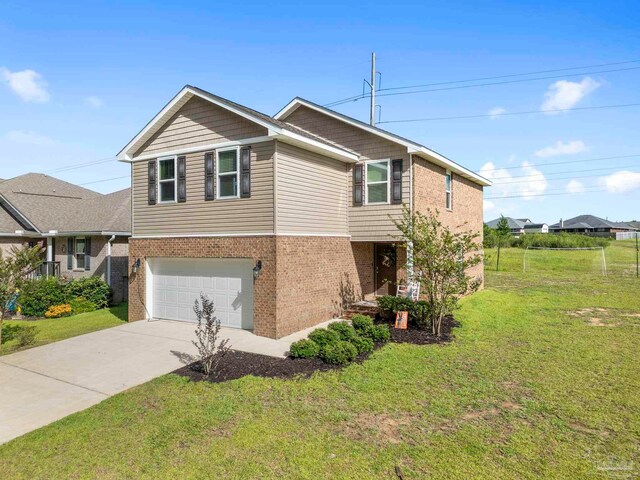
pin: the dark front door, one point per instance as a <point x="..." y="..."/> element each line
<point x="385" y="263"/>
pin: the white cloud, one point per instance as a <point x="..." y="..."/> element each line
<point x="564" y="94"/>
<point x="527" y="182"/>
<point x="574" y="186"/>
<point x="621" y="182"/>
<point x="488" y="206"/>
<point x="561" y="148"/>
<point x="28" y="137"/>
<point x="495" y="112"/>
<point x="93" y="101"/>
<point x="27" y="84"/>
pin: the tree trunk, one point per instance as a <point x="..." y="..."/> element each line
<point x="498" y="261"/>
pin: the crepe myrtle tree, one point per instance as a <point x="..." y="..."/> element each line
<point x="440" y="260"/>
<point x="15" y="268"/>
<point x="211" y="347"/>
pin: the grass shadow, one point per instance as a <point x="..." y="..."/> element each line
<point x="120" y="311"/>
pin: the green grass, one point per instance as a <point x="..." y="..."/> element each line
<point x="54" y="329"/>
<point x="532" y="387"/>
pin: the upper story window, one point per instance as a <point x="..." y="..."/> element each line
<point x="377" y="182"/>
<point x="227" y="172"/>
<point x="448" y="199"/>
<point x="80" y="252"/>
<point x="167" y="179"/>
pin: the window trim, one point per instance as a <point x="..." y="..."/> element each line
<point x="366" y="181"/>
<point x="448" y="192"/>
<point x="228" y="174"/>
<point x="75" y="253"/>
<point x="174" y="180"/>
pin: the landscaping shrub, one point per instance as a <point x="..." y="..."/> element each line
<point x="362" y="344"/>
<point x="304" y="348"/>
<point x="379" y="333"/>
<point x="323" y="337"/>
<point x="27" y="335"/>
<point x="38" y="295"/>
<point x="57" y="311"/>
<point x="361" y="322"/>
<point x="82" y="305"/>
<point x="93" y="289"/>
<point x="339" y="353"/>
<point x="344" y="330"/>
<point x="418" y="311"/>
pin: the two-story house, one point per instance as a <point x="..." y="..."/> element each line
<point x="281" y="220"/>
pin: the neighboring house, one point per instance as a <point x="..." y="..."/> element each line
<point x="590" y="224"/>
<point x="84" y="233"/>
<point x="282" y="220"/>
<point x="520" y="226"/>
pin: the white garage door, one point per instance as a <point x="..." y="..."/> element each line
<point x="177" y="282"/>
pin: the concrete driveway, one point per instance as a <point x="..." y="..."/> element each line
<point x="44" y="384"/>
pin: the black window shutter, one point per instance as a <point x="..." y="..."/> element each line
<point x="358" y="184"/>
<point x="396" y="181"/>
<point x="87" y="253"/>
<point x="182" y="179"/>
<point x="245" y="172"/>
<point x="152" y="174"/>
<point x="209" y="177"/>
<point x="70" y="253"/>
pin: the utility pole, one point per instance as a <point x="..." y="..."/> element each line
<point x="372" y="116"/>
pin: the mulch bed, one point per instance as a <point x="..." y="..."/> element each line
<point x="237" y="364"/>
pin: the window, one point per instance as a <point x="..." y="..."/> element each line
<point x="448" y="190"/>
<point x="167" y="179"/>
<point x="377" y="175"/>
<point x="227" y="172"/>
<point x="80" y="252"/>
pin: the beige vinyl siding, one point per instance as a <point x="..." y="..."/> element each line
<point x="311" y="192"/>
<point x="199" y="217"/>
<point x="366" y="222"/>
<point x="199" y="122"/>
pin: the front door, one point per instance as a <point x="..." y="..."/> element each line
<point x="385" y="263"/>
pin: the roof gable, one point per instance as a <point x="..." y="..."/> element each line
<point x="412" y="147"/>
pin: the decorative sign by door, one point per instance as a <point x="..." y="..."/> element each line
<point x="402" y="318"/>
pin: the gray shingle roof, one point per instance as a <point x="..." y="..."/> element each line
<point x="514" y="223"/>
<point x="589" y="221"/>
<point x="52" y="204"/>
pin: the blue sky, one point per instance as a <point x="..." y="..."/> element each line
<point x="79" y="79"/>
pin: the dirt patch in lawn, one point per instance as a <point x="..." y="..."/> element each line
<point x="596" y="317"/>
<point x="385" y="427"/>
<point x="240" y="364"/>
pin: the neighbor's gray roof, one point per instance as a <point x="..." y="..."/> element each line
<point x="533" y="225"/>
<point x="514" y="223"/>
<point x="589" y="221"/>
<point x="49" y="204"/>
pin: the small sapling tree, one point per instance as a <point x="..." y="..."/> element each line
<point x="15" y="269"/>
<point x="502" y="233"/>
<point x="211" y="347"/>
<point x="441" y="260"/>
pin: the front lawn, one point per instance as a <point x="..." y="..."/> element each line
<point x="54" y="329"/>
<point x="541" y="381"/>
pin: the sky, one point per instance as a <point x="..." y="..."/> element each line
<point x="79" y="79"/>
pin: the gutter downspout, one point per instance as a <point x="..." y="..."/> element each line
<point x="113" y="237"/>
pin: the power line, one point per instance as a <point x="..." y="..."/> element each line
<point x="484" y="115"/>
<point x="569" y="161"/>
<point x="80" y="165"/>
<point x="104" y="180"/>
<point x="358" y="97"/>
<point x="535" y="175"/>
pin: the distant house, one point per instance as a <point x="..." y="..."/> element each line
<point x="590" y="224"/>
<point x="84" y="233"/>
<point x="521" y="226"/>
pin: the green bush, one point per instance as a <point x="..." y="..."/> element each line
<point x="379" y="333"/>
<point x="304" y="348"/>
<point x="344" y="330"/>
<point x="38" y="295"/>
<point x="363" y="344"/>
<point x="93" y="289"/>
<point x="339" y="353"/>
<point x="418" y="311"/>
<point x="27" y="335"/>
<point x="323" y="337"/>
<point x="560" y="240"/>
<point x="361" y="322"/>
<point x="82" y="305"/>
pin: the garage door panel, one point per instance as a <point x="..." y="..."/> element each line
<point x="177" y="283"/>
